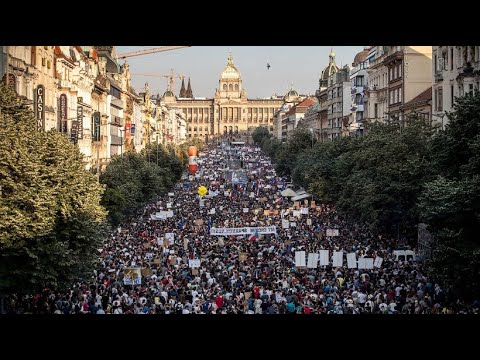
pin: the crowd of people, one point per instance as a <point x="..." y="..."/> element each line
<point x="240" y="274"/>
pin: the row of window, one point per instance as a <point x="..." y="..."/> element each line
<point x="396" y="96"/>
<point x="334" y="93"/>
<point x="379" y="81"/>
<point x="230" y="87"/>
<point x="446" y="60"/>
<point x="335" y="123"/>
<point x="395" y="72"/>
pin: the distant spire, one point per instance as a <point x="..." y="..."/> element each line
<point x="332" y="55"/>
<point x="230" y="59"/>
<point x="182" y="89"/>
<point x="189" y="93"/>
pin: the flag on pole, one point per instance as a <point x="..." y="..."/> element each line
<point x="253" y="237"/>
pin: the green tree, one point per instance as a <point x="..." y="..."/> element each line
<point x="51" y="220"/>
<point x="450" y="203"/>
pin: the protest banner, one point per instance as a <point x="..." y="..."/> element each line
<point x="243" y="231"/>
<point x="285" y="224"/>
<point x="332" y="232"/>
<point x="193" y="263"/>
<point x="352" y="260"/>
<point x="132" y="276"/>
<point x="300" y="259"/>
<point x="309" y="222"/>
<point x="378" y="262"/>
<point x="304" y="211"/>
<point x="312" y="262"/>
<point x="337" y="258"/>
<point x="324" y="260"/>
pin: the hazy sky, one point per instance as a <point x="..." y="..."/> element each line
<point x="300" y="65"/>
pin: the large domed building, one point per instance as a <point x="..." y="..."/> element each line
<point x="329" y="70"/>
<point x="229" y="111"/>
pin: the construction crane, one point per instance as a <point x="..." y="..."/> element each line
<point x="170" y="76"/>
<point x="149" y="51"/>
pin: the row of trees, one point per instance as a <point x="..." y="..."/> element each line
<point x="134" y="179"/>
<point x="54" y="215"/>
<point x="397" y="176"/>
<point x="51" y="220"/>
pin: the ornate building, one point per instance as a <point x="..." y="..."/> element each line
<point x="229" y="112"/>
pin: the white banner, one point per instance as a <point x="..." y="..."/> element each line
<point x="378" y="262"/>
<point x="169" y="205"/>
<point x="312" y="262"/>
<point x="297" y="213"/>
<point x="169" y="213"/>
<point x="362" y="263"/>
<point x="171" y="194"/>
<point x="304" y="211"/>
<point x="243" y="231"/>
<point x="300" y="259"/>
<point x="332" y="232"/>
<point x="245" y="210"/>
<point x="352" y="260"/>
<point x="193" y="263"/>
<point x="324" y="258"/>
<point x="212" y="211"/>
<point x="309" y="222"/>
<point x="293" y="224"/>
<point x="338" y="258"/>
<point x="368" y="263"/>
<point x="285" y="224"/>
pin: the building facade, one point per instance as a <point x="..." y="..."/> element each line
<point x="359" y="81"/>
<point x="228" y="112"/>
<point x="455" y="73"/>
<point x="397" y="75"/>
<point x="377" y="90"/>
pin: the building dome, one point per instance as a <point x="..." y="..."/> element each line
<point x="360" y="57"/>
<point x="330" y="69"/>
<point x="168" y="93"/>
<point x="292" y="93"/>
<point x="230" y="72"/>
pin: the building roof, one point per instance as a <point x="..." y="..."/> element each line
<point x="360" y="57"/>
<point x="230" y="72"/>
<point x="331" y="68"/>
<point x="422" y="98"/>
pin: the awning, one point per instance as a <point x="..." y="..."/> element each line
<point x="301" y="197"/>
<point x="288" y="193"/>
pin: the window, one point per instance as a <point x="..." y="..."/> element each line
<point x="390" y="74"/>
<point x="400" y="70"/>
<point x="236" y="87"/>
<point x="225" y="87"/>
<point x="391" y="97"/>
<point x="115" y="92"/>
<point x="451" y="58"/>
<point x="359" y="81"/>
<point x="230" y="87"/>
<point x="435" y="62"/>
<point x="470" y="89"/>
<point x="440" y="99"/>
<point x="395" y="72"/>
<point x="200" y="128"/>
<point x="452" y="97"/>
<point x="375" y="107"/>
<point x="400" y="94"/>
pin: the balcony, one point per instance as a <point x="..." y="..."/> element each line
<point x="357" y="90"/>
<point x="356" y="107"/>
<point x="64" y="84"/>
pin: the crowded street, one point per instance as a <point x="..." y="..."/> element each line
<point x="243" y="248"/>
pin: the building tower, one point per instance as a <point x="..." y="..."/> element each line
<point x="189" y="93"/>
<point x="183" y="93"/>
